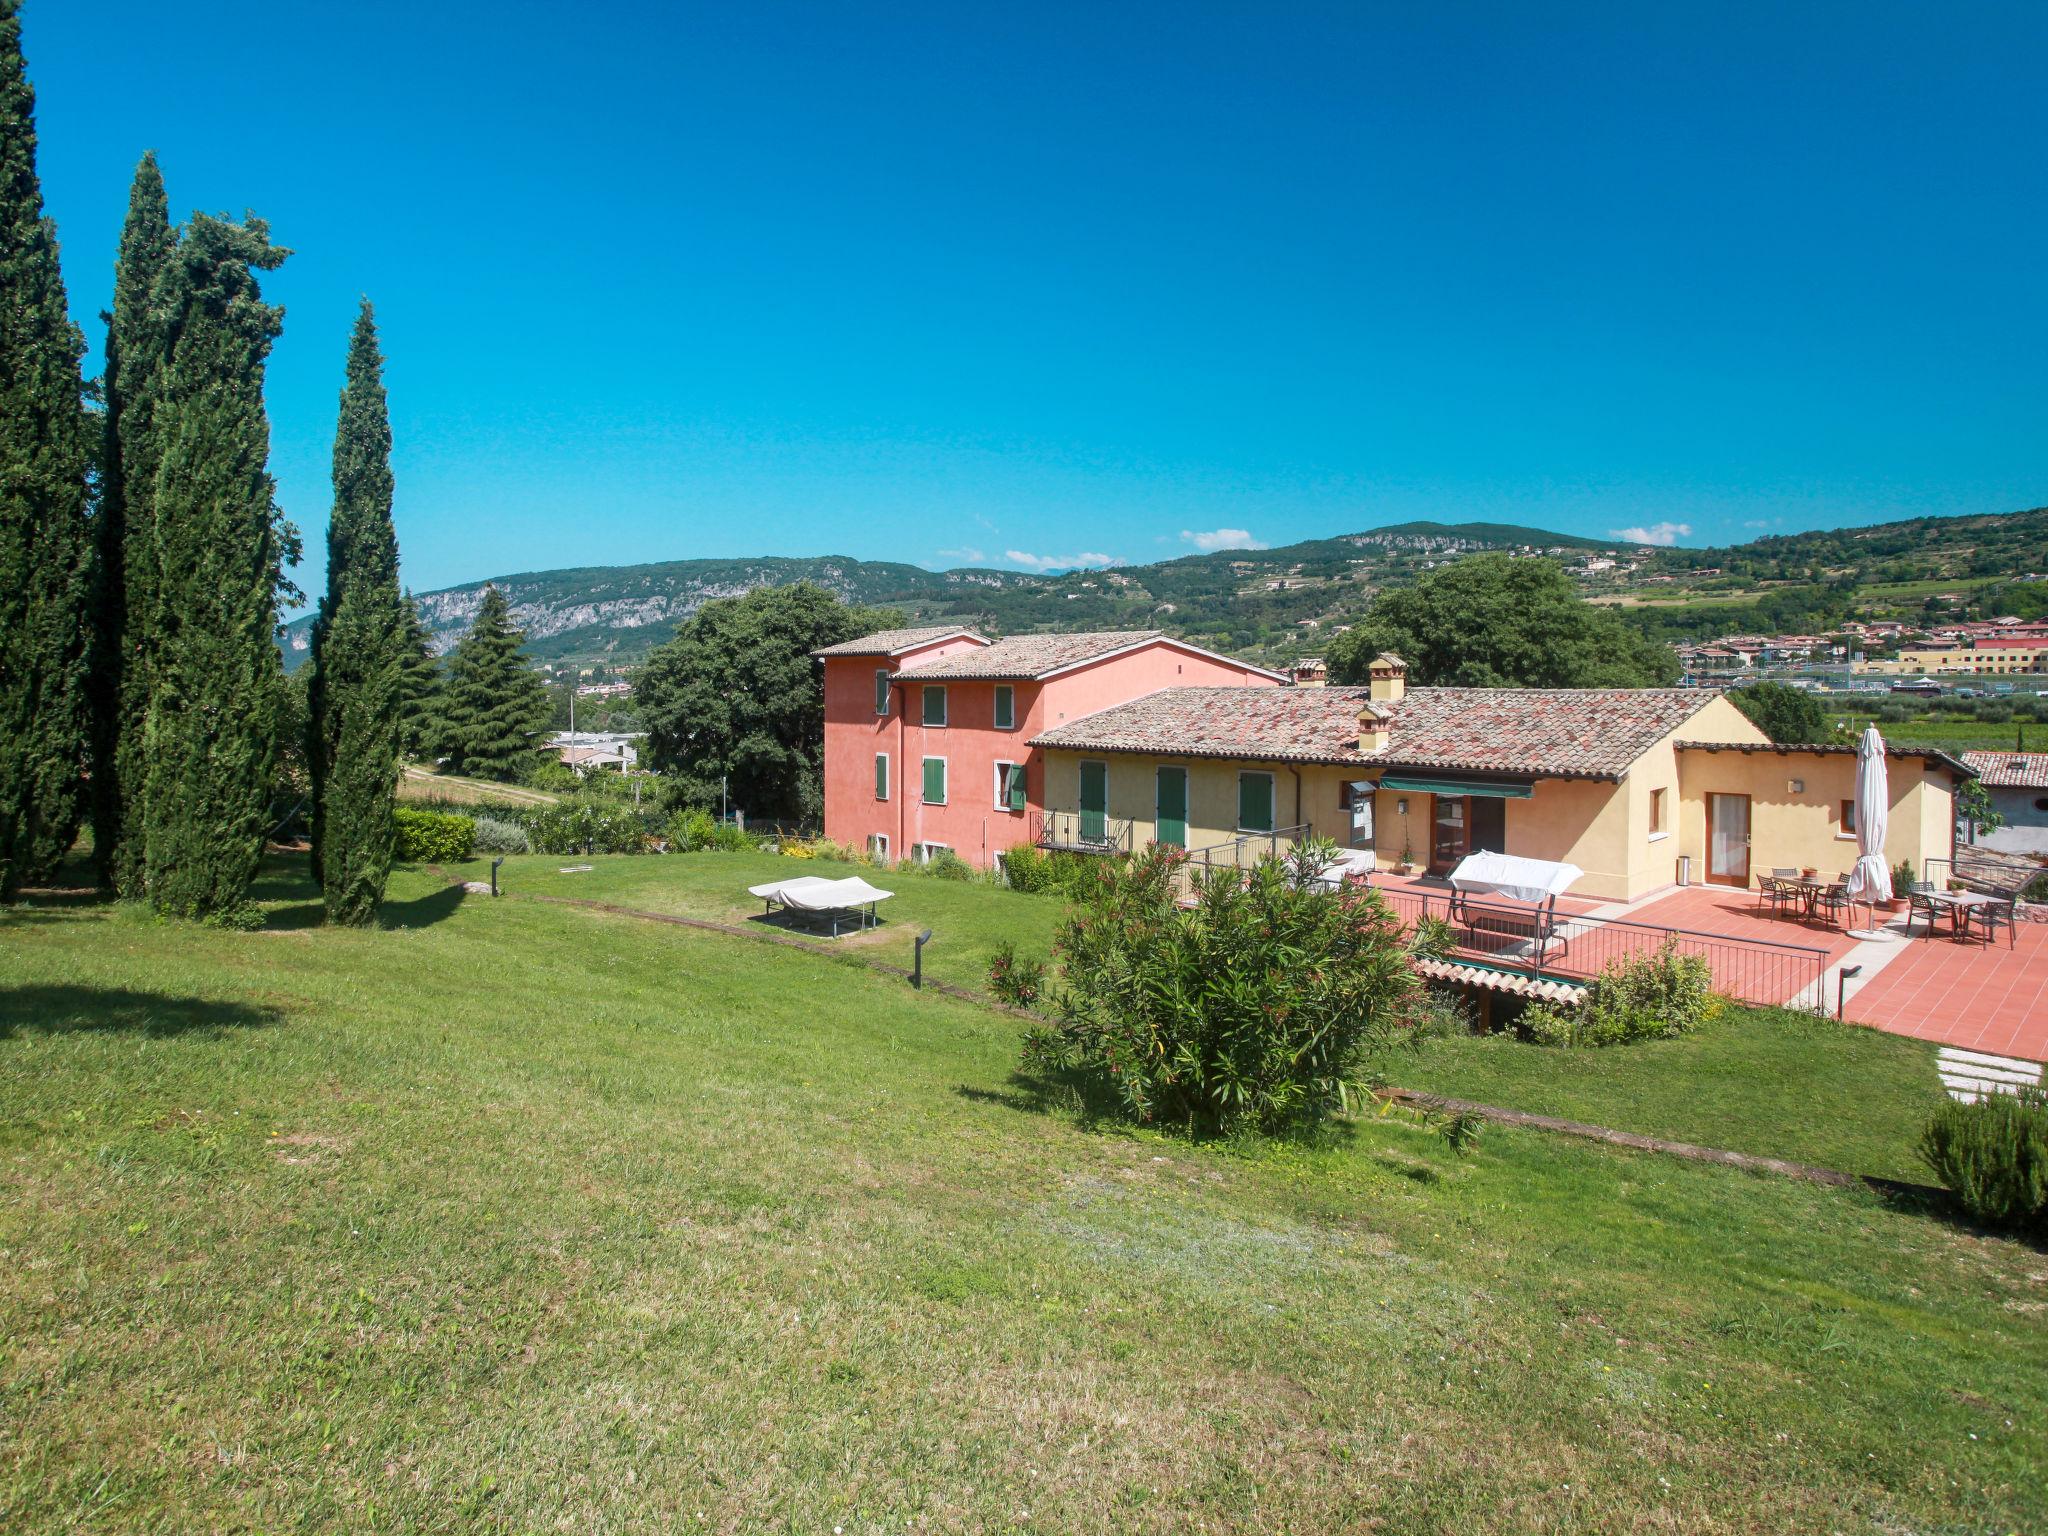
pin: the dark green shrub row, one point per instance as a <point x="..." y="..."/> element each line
<point x="1072" y="875"/>
<point x="430" y="837"/>
<point x="1993" y="1157"/>
<point x="586" y="826"/>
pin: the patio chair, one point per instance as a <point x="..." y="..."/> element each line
<point x="1832" y="902"/>
<point x="1989" y="915"/>
<point x="1772" y="891"/>
<point x="1920" y="903"/>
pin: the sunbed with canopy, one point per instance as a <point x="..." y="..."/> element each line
<point x="836" y="900"/>
<point x="1537" y="883"/>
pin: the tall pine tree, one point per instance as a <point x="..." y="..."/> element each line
<point x="45" y="540"/>
<point x="127" y="533"/>
<point x="493" y="704"/>
<point x="354" y="695"/>
<point x="419" y="691"/>
<point x="215" y="672"/>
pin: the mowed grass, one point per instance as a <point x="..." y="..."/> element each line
<point x="1763" y="1080"/>
<point x="516" y="1217"/>
<point x="967" y="918"/>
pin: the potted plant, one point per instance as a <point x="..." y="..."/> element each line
<point x="1903" y="876"/>
<point x="1407" y="864"/>
<point x="1808" y="871"/>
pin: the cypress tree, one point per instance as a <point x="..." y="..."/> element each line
<point x="45" y="539"/>
<point x="215" y="676"/>
<point x="419" y="688"/>
<point x="127" y="533"/>
<point x="354" y="697"/>
<point x="493" y="703"/>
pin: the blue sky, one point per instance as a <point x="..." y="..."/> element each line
<point x="1028" y="284"/>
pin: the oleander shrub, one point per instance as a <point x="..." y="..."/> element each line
<point x="1432" y="938"/>
<point x="495" y="836"/>
<point x="1253" y="1009"/>
<point x="432" y="837"/>
<point x="1993" y="1157"/>
<point x="1015" y="979"/>
<point x="698" y="831"/>
<point x="587" y="826"/>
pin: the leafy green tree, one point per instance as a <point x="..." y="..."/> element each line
<point x="419" y="687"/>
<point x="1495" y="621"/>
<point x="1975" y="811"/>
<point x="354" y="690"/>
<point x="1785" y="714"/>
<point x="493" y="703"/>
<point x="737" y="696"/>
<point x="45" y="540"/>
<point x="215" y="676"/>
<point x="127" y="533"/>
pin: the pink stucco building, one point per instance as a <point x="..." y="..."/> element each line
<point x="927" y="731"/>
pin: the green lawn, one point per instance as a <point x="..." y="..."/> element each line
<point x="968" y="919"/>
<point x="1761" y="1080"/>
<point x="516" y="1217"/>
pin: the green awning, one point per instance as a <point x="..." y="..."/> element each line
<point x="1499" y="789"/>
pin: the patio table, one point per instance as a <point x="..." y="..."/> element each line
<point x="1810" y="890"/>
<point x="1959" y="904"/>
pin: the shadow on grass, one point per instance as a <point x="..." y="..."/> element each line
<point x="63" y="1010"/>
<point x="421" y="911"/>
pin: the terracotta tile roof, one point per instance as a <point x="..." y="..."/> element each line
<point x="1028" y="656"/>
<point x="1587" y="733"/>
<point x="2010" y="770"/>
<point x="1543" y="989"/>
<point x="893" y="642"/>
<point x="1829" y="749"/>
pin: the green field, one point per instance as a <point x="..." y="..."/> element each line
<point x="1951" y="735"/>
<point x="519" y="1217"/>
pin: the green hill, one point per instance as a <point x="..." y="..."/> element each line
<point x="1275" y="604"/>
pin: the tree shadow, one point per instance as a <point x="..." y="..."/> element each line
<point x="67" y="1010"/>
<point x="421" y="911"/>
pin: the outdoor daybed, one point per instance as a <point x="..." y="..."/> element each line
<point x="834" y="900"/>
<point x="1534" y="884"/>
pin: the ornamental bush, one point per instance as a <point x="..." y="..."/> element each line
<point x="1253" y="1008"/>
<point x="1013" y="979"/>
<point x="1993" y="1157"/>
<point x="429" y="837"/>
<point x="586" y="826"/>
<point x="495" y="836"/>
<point x="1641" y="997"/>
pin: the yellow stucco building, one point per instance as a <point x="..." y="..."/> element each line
<point x="1640" y="788"/>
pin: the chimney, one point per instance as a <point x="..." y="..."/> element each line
<point x="1310" y="672"/>
<point x="1389" y="678"/>
<point x="1372" y="728"/>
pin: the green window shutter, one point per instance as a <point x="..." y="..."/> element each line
<point x="934" y="705"/>
<point x="882" y="691"/>
<point x="1255" y="802"/>
<point x="1013" y="786"/>
<point x="935" y="781"/>
<point x="881" y="776"/>
<point x="1006" y="707"/>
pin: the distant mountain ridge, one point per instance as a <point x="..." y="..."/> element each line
<point x="1269" y="603"/>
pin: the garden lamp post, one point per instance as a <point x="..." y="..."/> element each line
<point x="917" y="959"/>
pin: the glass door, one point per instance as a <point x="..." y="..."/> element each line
<point x="1449" y="833"/>
<point x="1172" y="807"/>
<point x="1728" y="839"/>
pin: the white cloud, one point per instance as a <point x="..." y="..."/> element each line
<point x="966" y="556"/>
<point x="1656" y="533"/>
<point x="1057" y="562"/>
<point x="1221" y="538"/>
<point x="1759" y="522"/>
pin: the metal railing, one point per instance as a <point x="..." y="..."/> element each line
<point x="1070" y="832"/>
<point x="1233" y="853"/>
<point x="1576" y="948"/>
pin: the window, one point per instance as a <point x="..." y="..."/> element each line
<point x="935" y="781"/>
<point x="926" y="852"/>
<point x="1848" y="826"/>
<point x="1006" y="707"/>
<point x="934" y="705"/>
<point x="881" y="775"/>
<point x="878" y="845"/>
<point x="1009" y="786"/>
<point x="1656" y="813"/>
<point x="1255" y="802"/>
<point x="881" y="690"/>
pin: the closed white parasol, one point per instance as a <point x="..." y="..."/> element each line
<point x="1870" y="880"/>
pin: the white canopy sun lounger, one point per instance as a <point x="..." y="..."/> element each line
<point x="836" y="899"/>
<point x="1539" y="882"/>
<point x="1349" y="862"/>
